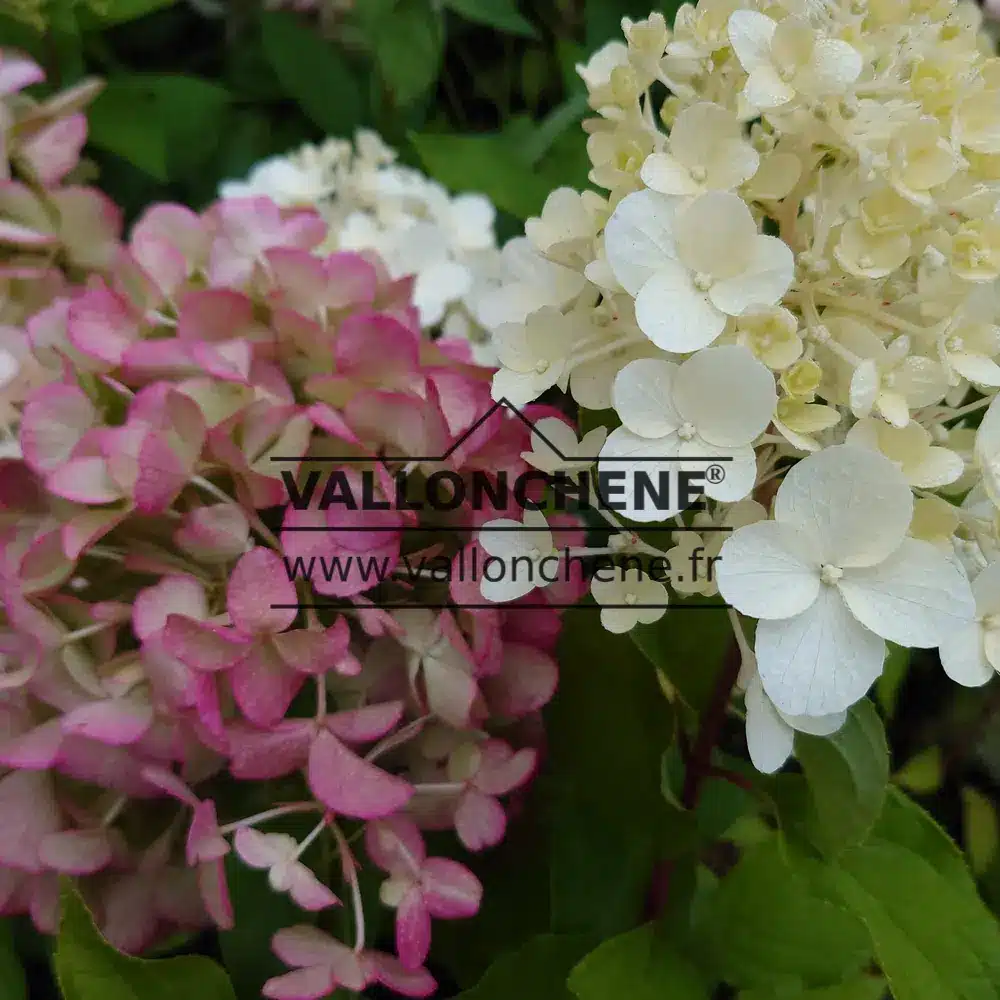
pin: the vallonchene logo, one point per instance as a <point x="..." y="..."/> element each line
<point x="380" y="485"/>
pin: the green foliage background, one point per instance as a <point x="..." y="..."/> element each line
<point x="649" y="863"/>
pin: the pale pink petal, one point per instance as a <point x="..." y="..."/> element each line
<point x="501" y="770"/>
<point x="173" y="595"/>
<point x="54" y="150"/>
<point x="28" y="812"/>
<point x="389" y="971"/>
<point x="84" y="480"/>
<point x="18" y="72"/>
<point x="76" y="852"/>
<point x="204" y="842"/>
<point x="396" y="845"/>
<point x="259" y="754"/>
<point x="263" y="685"/>
<point x="101" y="324"/>
<point x="87" y="527"/>
<point x="526" y="682"/>
<point x="351" y="786"/>
<point x="313" y="652"/>
<point x="256" y="849"/>
<point x="201" y="647"/>
<point x="307" y="890"/>
<point x="215" y="894"/>
<point x="259" y="581"/>
<point x="375" y="344"/>
<point x="303" y="946"/>
<point x="311" y="983"/>
<point x="55" y="418"/>
<point x="162" y="475"/>
<point x="362" y="725"/>
<point x="117" y="722"/>
<point x="35" y="750"/>
<point x="450" y="890"/>
<point x="480" y="821"/>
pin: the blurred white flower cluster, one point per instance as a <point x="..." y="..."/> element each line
<point x="417" y="228"/>
<point x="791" y="265"/>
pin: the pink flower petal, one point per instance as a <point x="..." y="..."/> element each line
<point x="501" y="769"/>
<point x="76" y="852"/>
<point x="413" y="929"/>
<point x="55" y="418"/>
<point x="173" y="595"/>
<point x="116" y="722"/>
<point x="215" y="894"/>
<point x="18" y="72"/>
<point x="35" y="750"/>
<point x="84" y="480"/>
<point x="259" y="581"/>
<point x="363" y="725"/>
<point x="204" y="842"/>
<point x="307" y="890"/>
<point x="201" y="647"/>
<point x="389" y="971"/>
<point x="311" y="983"/>
<point x="480" y="821"/>
<point x="256" y="849"/>
<point x="263" y="685"/>
<point x="259" y="754"/>
<point x="395" y="845"/>
<point x="351" y="786"/>
<point x="450" y="890"/>
<point x="55" y="150"/>
<point x="102" y="324"/>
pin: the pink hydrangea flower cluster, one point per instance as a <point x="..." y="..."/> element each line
<point x="53" y="232"/>
<point x="160" y="663"/>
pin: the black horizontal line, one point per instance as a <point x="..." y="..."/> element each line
<point x="543" y="606"/>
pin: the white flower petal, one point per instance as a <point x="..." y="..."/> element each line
<point x="820" y="661"/>
<point x="765" y="89"/>
<point x="964" y="658"/>
<point x="750" y="34"/>
<point x="770" y="738"/>
<point x="726" y="393"/>
<point x="739" y="471"/>
<point x="667" y="175"/>
<point x="642" y="396"/>
<point x="674" y="314"/>
<point x="834" y="67"/>
<point x="715" y="234"/>
<point x="638" y="237"/>
<point x="816" y="725"/>
<point x="915" y="597"/>
<point x="767" y="277"/>
<point x="768" y="570"/>
<point x="986" y="590"/>
<point x="854" y="502"/>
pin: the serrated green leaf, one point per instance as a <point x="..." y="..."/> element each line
<point x="120" y="11"/>
<point x="88" y="968"/>
<point x="536" y="971"/>
<point x="848" y="773"/>
<point x="640" y="965"/>
<point x="894" y="671"/>
<point x="313" y="73"/>
<point x="500" y="14"/>
<point x="13" y="985"/>
<point x="125" y="120"/>
<point x="804" y="940"/>
<point x="932" y="940"/>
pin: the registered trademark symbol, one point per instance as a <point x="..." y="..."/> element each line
<point x="715" y="473"/>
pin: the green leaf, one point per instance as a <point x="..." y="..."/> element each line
<point x="894" y="671"/>
<point x="639" y="965"/>
<point x="847" y="773"/>
<point x="313" y="73"/>
<point x="690" y="649"/>
<point x="607" y="729"/>
<point x="856" y="988"/>
<point x="536" y="971"/>
<point x="803" y="941"/>
<point x="407" y="40"/>
<point x="88" y="968"/>
<point x="487" y="163"/>
<point x="932" y="940"/>
<point x="500" y="14"/>
<point x="566" y="116"/>
<point x="126" y="121"/>
<point x="979" y="824"/>
<point x="164" y="125"/>
<point x="13" y="985"/>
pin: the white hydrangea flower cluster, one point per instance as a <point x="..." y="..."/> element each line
<point x="417" y="228"/>
<point x="792" y="265"/>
